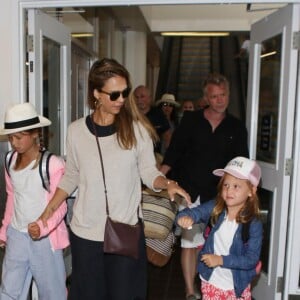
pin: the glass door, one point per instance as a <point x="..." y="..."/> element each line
<point x="270" y="120"/>
<point x="49" y="74"/>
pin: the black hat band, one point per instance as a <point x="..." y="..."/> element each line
<point x="21" y="124"/>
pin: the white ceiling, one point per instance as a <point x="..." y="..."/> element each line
<point x="204" y="17"/>
<point x="191" y="17"/>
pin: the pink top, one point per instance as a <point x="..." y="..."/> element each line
<point x="56" y="229"/>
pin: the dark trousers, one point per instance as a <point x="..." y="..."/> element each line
<point x="100" y="276"/>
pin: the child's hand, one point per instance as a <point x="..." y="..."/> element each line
<point x="2" y="244"/>
<point x="185" y="222"/>
<point x="34" y="230"/>
<point x="212" y="260"/>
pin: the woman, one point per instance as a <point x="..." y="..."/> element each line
<point x="126" y="141"/>
<point x="168" y="105"/>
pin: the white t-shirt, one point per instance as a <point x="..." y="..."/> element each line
<point x="222" y="277"/>
<point x="30" y="197"/>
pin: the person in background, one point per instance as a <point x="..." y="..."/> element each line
<point x="245" y="48"/>
<point x="204" y="140"/>
<point x="169" y="106"/>
<point x="126" y="140"/>
<point x="186" y="105"/>
<point x="201" y="104"/>
<point x="156" y="117"/>
<point x="39" y="256"/>
<point x="228" y="263"/>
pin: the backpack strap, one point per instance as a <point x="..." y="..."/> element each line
<point x="245" y="231"/>
<point x="207" y="228"/>
<point x="8" y="158"/>
<point x="44" y="169"/>
<point x="43" y="166"/>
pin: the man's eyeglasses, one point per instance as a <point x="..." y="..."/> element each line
<point x="115" y="95"/>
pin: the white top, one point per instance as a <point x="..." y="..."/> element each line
<point x="30" y="197"/>
<point x="222" y="277"/>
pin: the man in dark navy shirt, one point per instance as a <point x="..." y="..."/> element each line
<point x="205" y="140"/>
<point x="155" y="115"/>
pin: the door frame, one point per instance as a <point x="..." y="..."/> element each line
<point x="292" y="263"/>
<point x="18" y="58"/>
<point x="41" y="25"/>
<point x="275" y="178"/>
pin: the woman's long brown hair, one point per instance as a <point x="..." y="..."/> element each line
<point x="100" y="72"/>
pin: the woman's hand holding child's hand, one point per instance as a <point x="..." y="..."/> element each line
<point x="173" y="188"/>
<point x="212" y="260"/>
<point x="34" y="230"/>
<point x="46" y="215"/>
<point x="185" y="222"/>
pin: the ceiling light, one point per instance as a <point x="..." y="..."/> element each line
<point x="268" y="54"/>
<point x="71" y="11"/>
<point x="82" y="34"/>
<point x="194" y="33"/>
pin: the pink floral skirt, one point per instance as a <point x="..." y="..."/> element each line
<point x="210" y="292"/>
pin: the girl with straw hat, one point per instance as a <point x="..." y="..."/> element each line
<point x="38" y="256"/>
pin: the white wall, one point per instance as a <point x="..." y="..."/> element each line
<point x="118" y="46"/>
<point x="136" y="56"/>
<point x="8" y="88"/>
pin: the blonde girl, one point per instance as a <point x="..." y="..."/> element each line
<point x="227" y="263"/>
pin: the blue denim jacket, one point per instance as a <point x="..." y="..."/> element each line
<point x="242" y="258"/>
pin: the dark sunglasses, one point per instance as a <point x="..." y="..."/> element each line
<point x="115" y="95"/>
<point x="168" y="104"/>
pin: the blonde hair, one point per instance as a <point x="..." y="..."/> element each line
<point x="246" y="213"/>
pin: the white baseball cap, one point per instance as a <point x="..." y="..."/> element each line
<point x="242" y="168"/>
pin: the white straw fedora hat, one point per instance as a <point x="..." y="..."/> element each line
<point x="167" y="98"/>
<point x="22" y="117"/>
